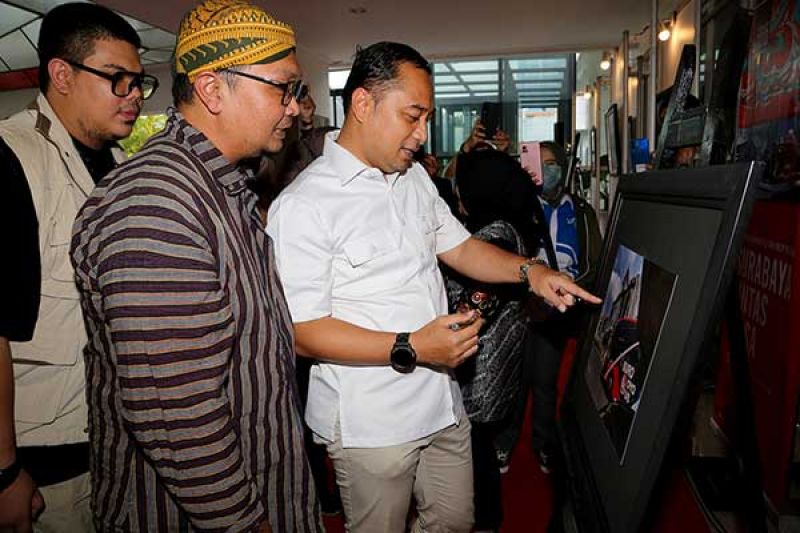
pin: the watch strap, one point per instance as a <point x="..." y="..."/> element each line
<point x="402" y="338"/>
<point x="9" y="474"/>
<point x="526" y="266"/>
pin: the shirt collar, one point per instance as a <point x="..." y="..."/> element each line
<point x="565" y="199"/>
<point x="347" y="166"/>
<point x="233" y="178"/>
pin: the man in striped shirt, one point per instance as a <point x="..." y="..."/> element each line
<point x="194" y="419"/>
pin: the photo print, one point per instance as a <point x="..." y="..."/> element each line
<point x="634" y="307"/>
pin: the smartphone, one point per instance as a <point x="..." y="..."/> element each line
<point x="490" y="118"/>
<point x="530" y="158"/>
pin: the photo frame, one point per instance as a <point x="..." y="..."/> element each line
<point x="688" y="224"/>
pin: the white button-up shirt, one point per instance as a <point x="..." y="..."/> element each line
<point x="360" y="246"/>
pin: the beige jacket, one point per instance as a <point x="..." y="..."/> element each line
<point x="50" y="396"/>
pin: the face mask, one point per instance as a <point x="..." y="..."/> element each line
<point x="551" y="177"/>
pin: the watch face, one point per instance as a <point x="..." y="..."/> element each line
<point x="403" y="358"/>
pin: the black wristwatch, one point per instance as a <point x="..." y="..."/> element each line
<point x="9" y="475"/>
<point x="403" y="357"/>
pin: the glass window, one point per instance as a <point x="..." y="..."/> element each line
<point x="440" y="79"/>
<point x="535" y="94"/>
<point x="474" y="66"/>
<point x="337" y="79"/>
<point x="537" y="123"/>
<point x="450" y="89"/>
<point x="540" y="75"/>
<point x="472" y="78"/>
<point x="538" y="64"/>
<point x="474" y="87"/>
<point x="542" y="85"/>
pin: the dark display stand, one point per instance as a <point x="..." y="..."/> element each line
<point x="610" y="481"/>
<point x="684" y="76"/>
<point x="721" y="116"/>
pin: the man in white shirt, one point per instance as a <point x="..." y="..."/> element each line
<point x="357" y="237"/>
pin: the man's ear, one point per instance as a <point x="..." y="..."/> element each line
<point x="62" y="76"/>
<point x="210" y="89"/>
<point x="362" y="104"/>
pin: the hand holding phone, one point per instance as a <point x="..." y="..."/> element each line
<point x="531" y="160"/>
<point x="490" y="118"/>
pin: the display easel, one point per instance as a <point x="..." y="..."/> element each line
<point x="605" y="489"/>
<point x="755" y="512"/>
<point x="684" y="77"/>
<point x="575" y="507"/>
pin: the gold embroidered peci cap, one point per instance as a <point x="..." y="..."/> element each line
<point x="218" y="34"/>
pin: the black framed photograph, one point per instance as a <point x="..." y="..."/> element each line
<point x="637" y="296"/>
<point x="666" y="267"/>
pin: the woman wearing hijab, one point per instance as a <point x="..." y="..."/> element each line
<point x="571" y="244"/>
<point x="497" y="198"/>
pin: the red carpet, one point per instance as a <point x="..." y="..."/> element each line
<point x="527" y="492"/>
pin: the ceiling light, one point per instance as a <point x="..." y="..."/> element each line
<point x="665" y="28"/>
<point x="605" y="63"/>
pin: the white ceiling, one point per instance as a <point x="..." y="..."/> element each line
<point x="439" y="29"/>
<point x="21" y="20"/>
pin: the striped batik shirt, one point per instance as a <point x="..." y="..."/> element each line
<point x="193" y="409"/>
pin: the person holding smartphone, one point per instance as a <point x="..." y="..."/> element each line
<point x="500" y="141"/>
<point x="498" y="201"/>
<point x="572" y="245"/>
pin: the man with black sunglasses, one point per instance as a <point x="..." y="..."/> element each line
<point x="51" y="156"/>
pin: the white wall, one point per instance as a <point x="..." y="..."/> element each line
<point x="315" y="73"/>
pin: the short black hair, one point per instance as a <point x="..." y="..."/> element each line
<point x="69" y="31"/>
<point x="376" y="67"/>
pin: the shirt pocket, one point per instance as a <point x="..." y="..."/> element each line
<point x="362" y="251"/>
<point x="426" y="226"/>
<point x="59" y="276"/>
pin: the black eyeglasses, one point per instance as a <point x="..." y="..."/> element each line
<point x="291" y="90"/>
<point x="123" y="82"/>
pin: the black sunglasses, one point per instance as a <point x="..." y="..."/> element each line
<point x="291" y="90"/>
<point x="123" y="82"/>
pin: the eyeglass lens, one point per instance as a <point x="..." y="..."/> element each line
<point x="125" y="82"/>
